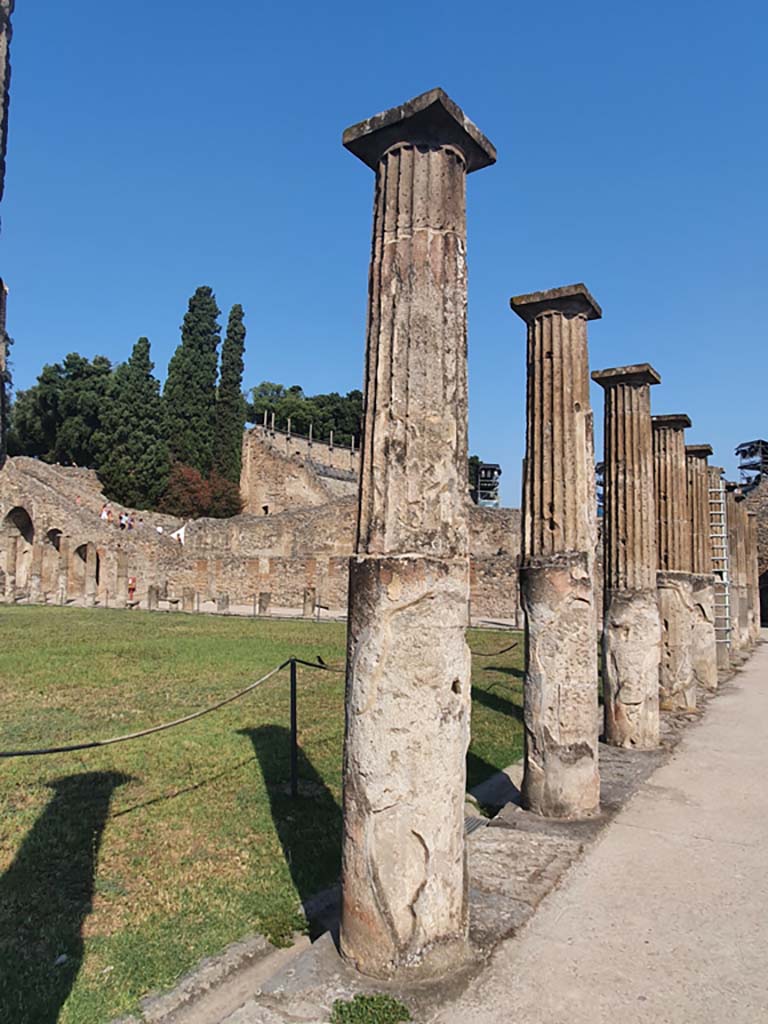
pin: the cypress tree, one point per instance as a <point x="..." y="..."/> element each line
<point x="189" y="396"/>
<point x="134" y="463"/>
<point x="230" y="404"/>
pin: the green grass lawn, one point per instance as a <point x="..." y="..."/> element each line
<point x="121" y="867"/>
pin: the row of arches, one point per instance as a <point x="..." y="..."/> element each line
<point x="38" y="566"/>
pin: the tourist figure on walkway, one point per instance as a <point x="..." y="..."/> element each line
<point x="104" y="514"/>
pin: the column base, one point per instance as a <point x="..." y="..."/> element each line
<point x="561" y="778"/>
<point x="677" y="686"/>
<point x="703" y="641"/>
<point x="404" y="880"/>
<point x="631" y="657"/>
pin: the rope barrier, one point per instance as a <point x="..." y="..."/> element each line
<point x="318" y="664"/>
<point x="145" y="732"/>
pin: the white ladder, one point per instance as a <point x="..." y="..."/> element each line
<point x="718" y="519"/>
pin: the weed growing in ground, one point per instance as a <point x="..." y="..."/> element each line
<point x="378" y="1009"/>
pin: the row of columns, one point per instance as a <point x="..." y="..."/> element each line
<point x="404" y="879"/>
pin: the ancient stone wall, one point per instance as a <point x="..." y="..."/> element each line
<point x="282" y="471"/>
<point x="281" y="555"/>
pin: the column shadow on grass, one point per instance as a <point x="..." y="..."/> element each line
<point x="497" y="702"/>
<point x="47" y="893"/>
<point x="308" y="827"/>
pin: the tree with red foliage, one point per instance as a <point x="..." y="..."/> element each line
<point x="190" y="496"/>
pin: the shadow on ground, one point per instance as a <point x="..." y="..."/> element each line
<point x="309" y="826"/>
<point x="46" y="895"/>
<point x="497" y="702"/>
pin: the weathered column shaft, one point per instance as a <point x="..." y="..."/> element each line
<point x="36" y="572"/>
<point x="11" y="559"/>
<point x="677" y="686"/>
<point x="743" y="577"/>
<point x="631" y="638"/>
<point x="91" y="574"/>
<point x="62" y="585"/>
<point x="703" y="639"/>
<point x="561" y="776"/>
<point x="121" y="588"/>
<point x="754" y="576"/>
<point x="404" y="888"/>
<point x="734" y="557"/>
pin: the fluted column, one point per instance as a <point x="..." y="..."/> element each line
<point x="404" y="886"/>
<point x="753" y="573"/>
<point x="677" y="686"/>
<point x="557" y="569"/>
<point x="631" y="639"/>
<point x="703" y="641"/>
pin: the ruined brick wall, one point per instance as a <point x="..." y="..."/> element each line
<point x="280" y="554"/>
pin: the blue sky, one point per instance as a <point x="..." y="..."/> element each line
<point x="158" y="146"/>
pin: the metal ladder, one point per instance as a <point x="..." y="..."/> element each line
<point x="718" y="519"/>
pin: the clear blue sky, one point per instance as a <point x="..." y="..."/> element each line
<point x="158" y="146"/>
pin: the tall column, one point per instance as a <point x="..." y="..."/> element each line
<point x="677" y="686"/>
<point x="743" y="573"/>
<point x="631" y="625"/>
<point x="738" y="641"/>
<point x="753" y="577"/>
<point x="703" y="640"/>
<point x="121" y="579"/>
<point x="559" y="541"/>
<point x="404" y="885"/>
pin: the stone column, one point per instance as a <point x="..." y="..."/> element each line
<point x="559" y="542"/>
<point x="153" y="597"/>
<point x="121" y="588"/>
<point x="264" y="599"/>
<point x="734" y="560"/>
<point x="703" y="640"/>
<point x="11" y="559"/>
<point x="404" y="883"/>
<point x="754" y="577"/>
<point x="718" y="523"/>
<point x="188" y="599"/>
<point x="677" y="686"/>
<point x="36" y="573"/>
<point x="631" y="625"/>
<point x="91" y="583"/>
<point x="743" y="574"/>
<point x="222" y="604"/>
<point x="62" y="583"/>
<point x="310" y="600"/>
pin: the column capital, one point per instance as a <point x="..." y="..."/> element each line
<point x="431" y="119"/>
<point x="673" y="421"/>
<point x="699" y="451"/>
<point x="638" y="373"/>
<point x="570" y="300"/>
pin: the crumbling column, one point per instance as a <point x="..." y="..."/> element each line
<point x="753" y="571"/>
<point x="404" y="884"/>
<point x="677" y="686"/>
<point x="631" y="626"/>
<point x="91" y="574"/>
<point x="11" y="559"/>
<point x="743" y="574"/>
<point x="264" y="598"/>
<point x="153" y="597"/>
<point x="557" y="560"/>
<point x="222" y="603"/>
<point x="310" y="600"/>
<point x="188" y="599"/>
<point x="703" y="641"/>
<point x="121" y="589"/>
<point x="62" y="583"/>
<point x="36" y="573"/>
<point x="738" y="641"/>
<point x="718" y="523"/>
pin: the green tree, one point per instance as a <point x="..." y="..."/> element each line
<point x="341" y="414"/>
<point x="230" y="404"/>
<point x="189" y="396"/>
<point x="59" y="417"/>
<point x="133" y="454"/>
